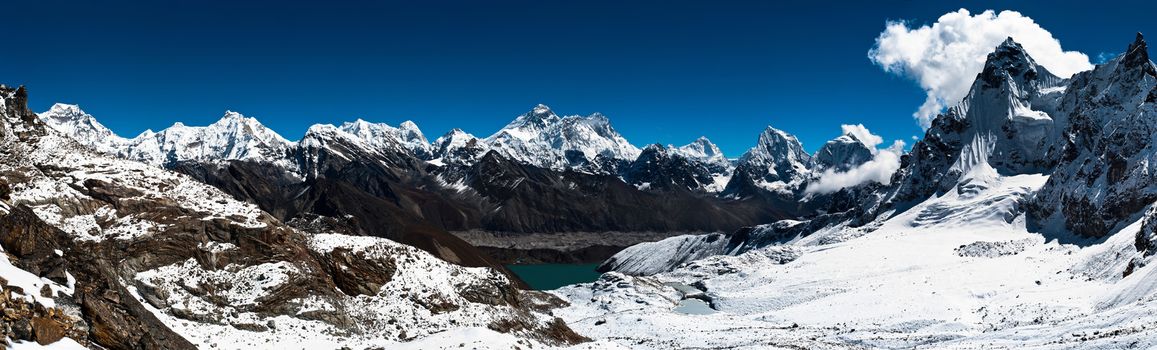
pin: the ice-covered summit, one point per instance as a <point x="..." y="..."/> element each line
<point x="543" y="139"/>
<point x="386" y="137"/>
<point x="702" y="148"/>
<point x="777" y="163"/>
<point x="458" y="147"/>
<point x="71" y="120"/>
<point x="233" y="137"/>
<point x="1006" y="124"/>
<point x="842" y="153"/>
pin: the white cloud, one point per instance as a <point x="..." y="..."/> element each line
<point x="884" y="163"/>
<point x="945" y="57"/>
<point x="861" y="133"/>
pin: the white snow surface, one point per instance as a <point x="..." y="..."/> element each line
<point x="655" y="257"/>
<point x="900" y="283"/>
<point x="62" y="344"/>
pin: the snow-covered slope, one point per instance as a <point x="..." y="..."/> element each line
<point x="971" y="246"/>
<point x="651" y="258"/>
<point x="957" y="271"/>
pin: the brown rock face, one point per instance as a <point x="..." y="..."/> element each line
<point x="354" y="274"/>
<point x="46" y="330"/>
<point x="115" y="320"/>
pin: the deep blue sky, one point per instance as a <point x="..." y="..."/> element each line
<point x="664" y="71"/>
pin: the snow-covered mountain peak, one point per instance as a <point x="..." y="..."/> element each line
<point x="411" y="133"/>
<point x="233" y="137"/>
<point x="454" y="138"/>
<point x="71" y="120"/>
<point x="1009" y="63"/>
<point x="357" y="124"/>
<point x="597" y="118"/>
<point x="777" y="144"/>
<point x="65" y="114"/>
<point x="541" y="138"/>
<point x="777" y="163"/>
<point x="701" y="148"/>
<point x="655" y="147"/>
<point x="541" y="109"/>
<point x="231" y="116"/>
<point x="234" y="125"/>
<point x="457" y="147"/>
<point x="843" y="153"/>
<point x="237" y="127"/>
<point x="411" y="127"/>
<point x="64" y="109"/>
<point x="388" y="138"/>
<point x="537" y="118"/>
<point x="1138" y="52"/>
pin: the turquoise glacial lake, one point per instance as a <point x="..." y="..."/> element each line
<point x="552" y="276"/>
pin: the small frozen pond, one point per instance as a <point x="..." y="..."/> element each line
<point x="693" y="306"/>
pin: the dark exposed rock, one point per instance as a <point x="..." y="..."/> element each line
<point x="357" y="275"/>
<point x="521" y="198"/>
<point x="114" y="322"/>
<point x="1102" y="182"/>
<point x="369" y="199"/>
<point x="657" y="168"/>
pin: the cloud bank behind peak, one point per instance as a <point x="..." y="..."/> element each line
<point x="944" y="57"/>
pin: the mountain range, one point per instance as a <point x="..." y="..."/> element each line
<point x="541" y="173"/>
<point x="1022" y="218"/>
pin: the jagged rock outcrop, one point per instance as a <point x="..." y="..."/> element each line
<point x="1105" y="154"/>
<point x="664" y="169"/>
